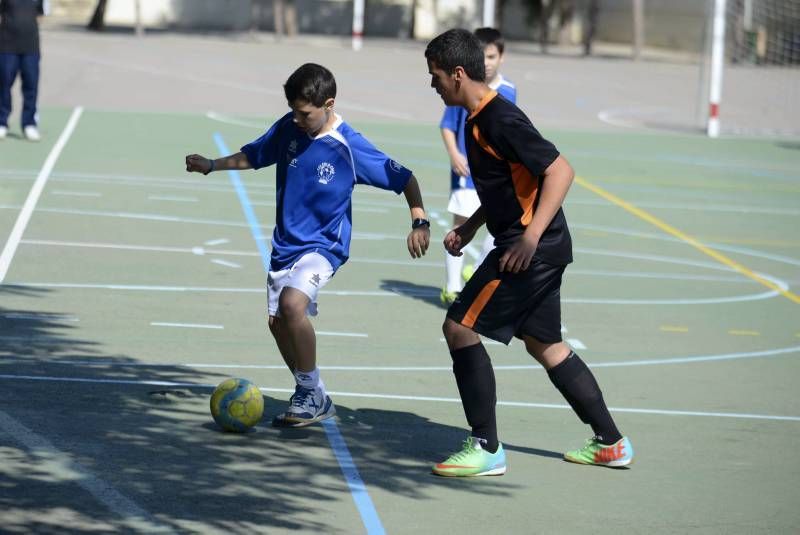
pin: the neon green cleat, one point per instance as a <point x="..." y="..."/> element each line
<point x="473" y="461"/>
<point x="615" y="455"/>
<point x="467" y="272"/>
<point x="446" y="297"/>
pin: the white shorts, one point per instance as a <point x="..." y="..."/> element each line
<point x="309" y="275"/>
<point x="463" y="202"/>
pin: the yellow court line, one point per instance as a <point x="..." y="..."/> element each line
<point x="742" y="332"/>
<point x="669" y="229"/>
<point x="674" y="329"/>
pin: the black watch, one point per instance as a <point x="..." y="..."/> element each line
<point x="419" y="222"/>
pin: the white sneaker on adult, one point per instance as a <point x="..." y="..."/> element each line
<point x="3" y="132"/>
<point x="32" y="133"/>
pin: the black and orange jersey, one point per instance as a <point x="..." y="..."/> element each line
<point x="507" y="158"/>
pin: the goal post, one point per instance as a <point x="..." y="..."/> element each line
<point x="717" y="64"/>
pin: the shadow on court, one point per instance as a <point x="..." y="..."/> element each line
<point x="422" y="292"/>
<point x="33" y="334"/>
<point x="113" y="444"/>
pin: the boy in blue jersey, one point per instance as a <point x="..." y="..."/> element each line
<point x="463" y="197"/>
<point x="319" y="159"/>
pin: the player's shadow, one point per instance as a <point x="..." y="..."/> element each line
<point x="425" y="293"/>
<point x="393" y="450"/>
<point x="119" y="428"/>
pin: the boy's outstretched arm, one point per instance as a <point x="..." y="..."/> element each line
<point x="419" y="238"/>
<point x="200" y="164"/>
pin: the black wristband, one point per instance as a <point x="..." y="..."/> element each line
<point x="210" y="168"/>
<point x="419" y="222"/>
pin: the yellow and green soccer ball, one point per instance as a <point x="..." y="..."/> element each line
<point x="237" y="405"/>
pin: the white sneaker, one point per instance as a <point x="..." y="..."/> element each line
<point x="307" y="406"/>
<point x="3" y="132"/>
<point x="32" y="133"/>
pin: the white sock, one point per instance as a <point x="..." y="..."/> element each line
<point x="307" y="379"/>
<point x="486" y="248"/>
<point x="452" y="267"/>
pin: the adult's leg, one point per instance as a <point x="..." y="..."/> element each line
<point x="29" y="71"/>
<point x="474" y="374"/>
<point x="9" y="65"/>
<point x="570" y="375"/>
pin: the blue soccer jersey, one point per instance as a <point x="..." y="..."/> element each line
<point x="454" y="119"/>
<point x="315" y="180"/>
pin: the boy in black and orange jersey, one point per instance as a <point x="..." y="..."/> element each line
<point x="522" y="181"/>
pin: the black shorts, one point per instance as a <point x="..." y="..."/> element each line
<point x="503" y="305"/>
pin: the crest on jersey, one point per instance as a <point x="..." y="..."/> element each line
<point x="325" y="172"/>
<point x="396" y="167"/>
<point x="293" y="145"/>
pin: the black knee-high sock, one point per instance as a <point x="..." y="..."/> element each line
<point x="578" y="386"/>
<point x="475" y="379"/>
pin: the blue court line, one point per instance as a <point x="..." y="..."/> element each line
<point x="369" y="516"/>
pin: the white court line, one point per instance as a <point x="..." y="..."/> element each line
<point x="400" y="292"/>
<point x="695" y="207"/>
<point x="46" y="453"/>
<point x="77" y="193"/>
<point x="521" y="404"/>
<point x="186" y="325"/>
<point x="335" y="333"/>
<point x="767" y="353"/>
<point x="226" y="263"/>
<point x="172" y="198"/>
<point x="36" y="191"/>
<point x="575" y="343"/>
<point x="211" y="243"/>
<point x="201" y="251"/>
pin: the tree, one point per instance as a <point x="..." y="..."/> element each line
<point x="97" y="22"/>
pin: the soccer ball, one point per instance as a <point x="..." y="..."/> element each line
<point x="237" y="405"/>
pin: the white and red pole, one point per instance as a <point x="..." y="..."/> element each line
<point x="488" y="13"/>
<point x="358" y="24"/>
<point x="717" y="64"/>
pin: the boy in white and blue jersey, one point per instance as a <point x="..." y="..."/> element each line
<point x="319" y="159"/>
<point x="463" y="197"/>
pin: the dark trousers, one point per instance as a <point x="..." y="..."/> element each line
<point x="27" y="66"/>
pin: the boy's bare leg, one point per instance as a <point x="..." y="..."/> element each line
<point x="297" y="329"/>
<point x="279" y="332"/>
<point x="298" y="344"/>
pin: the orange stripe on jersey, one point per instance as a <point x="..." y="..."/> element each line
<point x="525" y="187"/>
<point x="480" y="302"/>
<point x="484" y="101"/>
<point x="482" y="142"/>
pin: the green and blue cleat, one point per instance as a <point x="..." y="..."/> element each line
<point x="473" y="461"/>
<point x="616" y="455"/>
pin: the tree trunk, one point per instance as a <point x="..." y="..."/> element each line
<point x="97" y="22"/>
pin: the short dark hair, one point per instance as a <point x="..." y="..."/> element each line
<point x="312" y="83"/>
<point x="456" y="48"/>
<point x="491" y="36"/>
